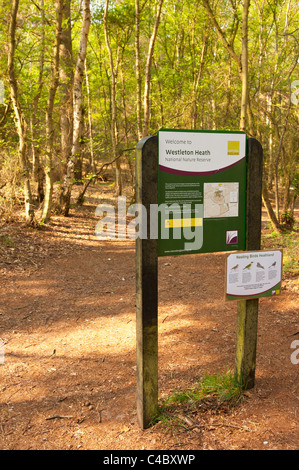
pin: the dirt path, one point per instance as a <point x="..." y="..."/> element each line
<point x="67" y="320"/>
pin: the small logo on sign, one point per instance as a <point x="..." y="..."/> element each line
<point x="232" y="237"/>
<point x="233" y="147"/>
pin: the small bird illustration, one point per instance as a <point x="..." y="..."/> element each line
<point x="273" y="264"/>
<point x="235" y="267"/>
<point x="260" y="266"/>
<point x="248" y="266"/>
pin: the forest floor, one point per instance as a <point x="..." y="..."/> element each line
<point x="67" y="321"/>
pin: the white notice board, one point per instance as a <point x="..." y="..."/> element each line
<point x="253" y="274"/>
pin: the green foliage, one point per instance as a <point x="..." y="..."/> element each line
<point x="289" y="243"/>
<point x="194" y="81"/>
<point x="7" y="241"/>
<point x="295" y="183"/>
<point x="287" y="218"/>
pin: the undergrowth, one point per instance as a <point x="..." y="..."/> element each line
<point x="288" y="242"/>
<point x="211" y="393"/>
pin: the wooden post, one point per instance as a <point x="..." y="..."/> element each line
<point x="147" y="286"/>
<point x="247" y="310"/>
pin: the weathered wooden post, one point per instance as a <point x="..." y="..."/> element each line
<point x="247" y="310"/>
<point x="147" y="286"/>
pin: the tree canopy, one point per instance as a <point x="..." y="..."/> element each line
<point x="85" y="80"/>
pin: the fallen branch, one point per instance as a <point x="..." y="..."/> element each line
<point x="192" y="426"/>
<point x="81" y="195"/>
<point x="58" y="417"/>
<point x="218" y="425"/>
<point x="293" y="334"/>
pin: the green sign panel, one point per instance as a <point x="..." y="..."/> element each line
<point x="201" y="191"/>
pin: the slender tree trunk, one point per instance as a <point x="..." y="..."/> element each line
<point x="66" y="84"/>
<point x="19" y="116"/>
<point x="78" y="105"/>
<point x="242" y="64"/>
<point x="130" y="160"/>
<point x="197" y="80"/>
<point x="277" y="156"/>
<point x="137" y="68"/>
<point x="160" y="86"/>
<point x="229" y="47"/>
<point x="271" y="214"/>
<point x="78" y="162"/>
<point x="280" y="146"/>
<point x="271" y="110"/>
<point x="37" y="170"/>
<point x="148" y="71"/>
<point x="46" y="212"/>
<point x="114" y="129"/>
<point x="92" y="160"/>
<point x="276" y="176"/>
<point x="228" y="91"/>
<point x="244" y="72"/>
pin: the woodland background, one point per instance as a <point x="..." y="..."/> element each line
<point x="83" y="81"/>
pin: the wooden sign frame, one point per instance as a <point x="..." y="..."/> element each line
<point x="147" y="280"/>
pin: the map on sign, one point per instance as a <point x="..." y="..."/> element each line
<point x="221" y="200"/>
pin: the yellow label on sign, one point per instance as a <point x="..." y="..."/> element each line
<point x="233" y="147"/>
<point x="175" y="223"/>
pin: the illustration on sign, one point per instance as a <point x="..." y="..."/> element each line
<point x="253" y="274"/>
<point x="202" y="186"/>
<point x="221" y="200"/>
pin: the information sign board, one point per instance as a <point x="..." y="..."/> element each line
<point x="201" y="191"/>
<point x="253" y="274"/>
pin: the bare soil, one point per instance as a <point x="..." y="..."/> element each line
<point x="67" y="321"/>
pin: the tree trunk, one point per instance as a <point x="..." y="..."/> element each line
<point x="92" y="160"/>
<point x="160" y="87"/>
<point x="271" y="214"/>
<point x="244" y="72"/>
<point x="278" y="155"/>
<point x="196" y="83"/>
<point x="114" y="129"/>
<point x="66" y="84"/>
<point x="77" y="104"/>
<point x="270" y="175"/>
<point x="19" y="116"/>
<point x="137" y="68"/>
<point x="46" y="212"/>
<point x="37" y="170"/>
<point x="242" y="64"/>
<point x="227" y="45"/>
<point x="148" y="71"/>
